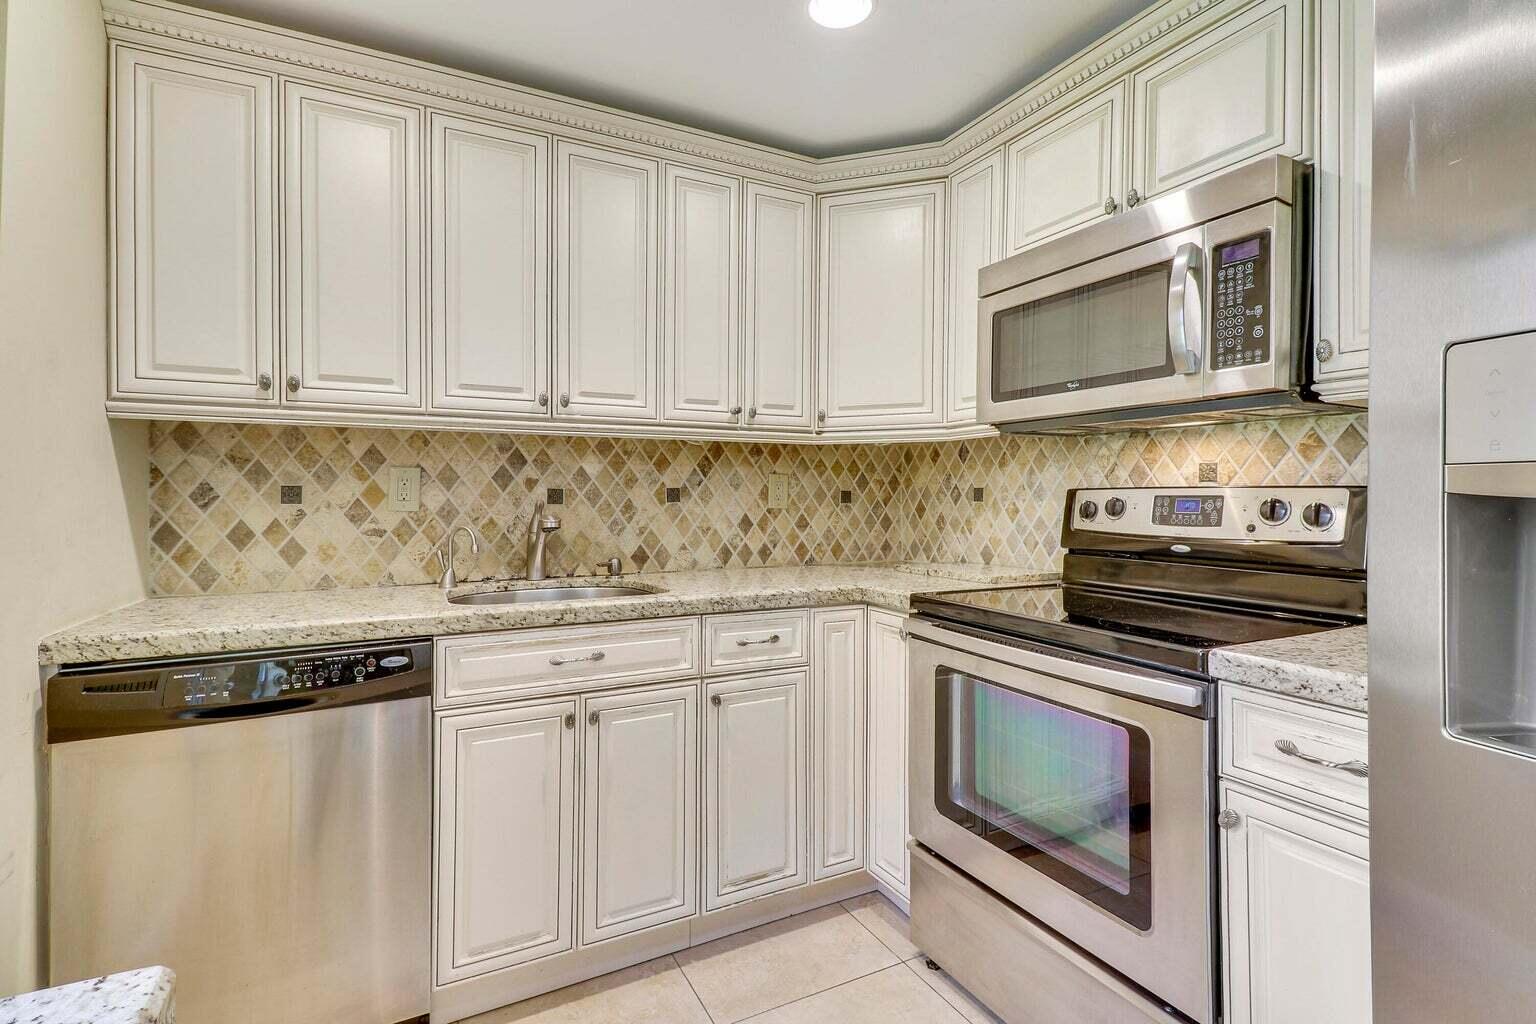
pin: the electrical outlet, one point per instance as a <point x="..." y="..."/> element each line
<point x="778" y="490"/>
<point x="404" y="488"/>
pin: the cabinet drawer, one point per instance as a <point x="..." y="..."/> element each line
<point x="754" y="640"/>
<point x="1255" y="725"/>
<point x="536" y="661"/>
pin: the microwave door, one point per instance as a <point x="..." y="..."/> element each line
<point x="1123" y="331"/>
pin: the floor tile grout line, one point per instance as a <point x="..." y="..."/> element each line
<point x="899" y="958"/>
<point x="689" y="981"/>
<point x="822" y="992"/>
<point x="922" y="977"/>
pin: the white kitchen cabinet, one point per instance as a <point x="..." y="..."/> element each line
<point x="606" y="235"/>
<point x="882" y="307"/>
<point x="887" y="829"/>
<point x="506" y="824"/>
<point x="490" y="267"/>
<point x="779" y="330"/>
<point x="701" y="335"/>
<point x="1342" y="193"/>
<point x="640" y="800"/>
<point x="196" y="258"/>
<point x="1296" y="914"/>
<point x="1230" y="94"/>
<point x="837" y="741"/>
<point x="754" y="787"/>
<point x="975" y="240"/>
<point x="1068" y="171"/>
<point x="352" y="249"/>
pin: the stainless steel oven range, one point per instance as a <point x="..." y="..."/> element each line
<point x="1063" y="750"/>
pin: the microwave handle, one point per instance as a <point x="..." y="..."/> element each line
<point x="1185" y="340"/>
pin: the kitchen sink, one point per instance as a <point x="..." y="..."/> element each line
<point x="532" y="594"/>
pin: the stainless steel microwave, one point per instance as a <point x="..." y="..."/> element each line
<point x="1192" y="307"/>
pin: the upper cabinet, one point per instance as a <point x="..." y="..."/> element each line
<point x="882" y="302"/>
<point x="606" y="227"/>
<point x="196" y="263"/>
<point x="490" y="267"/>
<point x="1067" y="172"/>
<point x="779" y="335"/>
<point x="975" y="240"/>
<point x="352" y="219"/>
<point x="701" y="336"/>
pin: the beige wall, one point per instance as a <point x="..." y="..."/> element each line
<point x="72" y="490"/>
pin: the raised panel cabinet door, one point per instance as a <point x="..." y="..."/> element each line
<point x="837" y="741"/>
<point x="506" y="826"/>
<point x="754" y="787"/>
<point x="606" y="240"/>
<point x="701" y="320"/>
<point x="1067" y="171"/>
<point x="490" y="267"/>
<point x="1226" y="96"/>
<point x="1297" y="913"/>
<point x="882" y="307"/>
<point x="975" y="240"/>
<point x="352" y="200"/>
<point x="888" y="752"/>
<point x="640" y="793"/>
<point x="195" y="234"/>
<point x="779" y="330"/>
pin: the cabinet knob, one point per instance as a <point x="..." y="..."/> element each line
<point x="543" y="399"/>
<point x="1324" y="350"/>
<point x="821" y="415"/>
<point x="570" y="720"/>
<point x="714" y="699"/>
<point x="1132" y="198"/>
<point x="591" y="717"/>
<point x="293" y="383"/>
<point x="735" y="410"/>
<point x="565" y="401"/>
<point x="1110" y="206"/>
<point x="903" y="635"/>
<point x="752" y="413"/>
<point x="264" y="381"/>
<point x="1227" y="819"/>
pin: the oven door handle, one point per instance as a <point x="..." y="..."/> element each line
<point x="1185" y="289"/>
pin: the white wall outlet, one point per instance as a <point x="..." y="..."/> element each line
<point x="778" y="490"/>
<point x="404" y="488"/>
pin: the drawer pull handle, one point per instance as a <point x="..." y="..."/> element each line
<point x="753" y="643"/>
<point x="594" y="656"/>
<point x="1289" y="749"/>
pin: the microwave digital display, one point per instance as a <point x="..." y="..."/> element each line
<point x="1237" y="251"/>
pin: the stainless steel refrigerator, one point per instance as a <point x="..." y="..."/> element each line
<point x="1453" y="513"/>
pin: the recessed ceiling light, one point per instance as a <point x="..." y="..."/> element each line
<point x="839" y="13"/>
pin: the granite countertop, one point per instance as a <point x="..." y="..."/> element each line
<point x="168" y="627"/>
<point x="1328" y="667"/>
<point x="145" y="996"/>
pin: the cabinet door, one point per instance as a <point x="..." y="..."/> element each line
<point x="352" y="198"/>
<point x="640" y="799"/>
<point x="1226" y="96"/>
<point x="975" y="240"/>
<point x="837" y="741"/>
<point x="506" y="822"/>
<point x="1342" y="191"/>
<point x="882" y="305"/>
<point x="490" y="268"/>
<point x="1297" y="913"/>
<point x="888" y="751"/>
<point x="1068" y="171"/>
<point x="754" y="787"/>
<point x="701" y="337"/>
<point x="605" y="282"/>
<point x="779" y="334"/>
<point x="194" y="229"/>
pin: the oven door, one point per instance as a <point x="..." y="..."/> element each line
<point x="1076" y="792"/>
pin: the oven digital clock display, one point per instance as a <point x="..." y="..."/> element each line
<point x="1187" y="510"/>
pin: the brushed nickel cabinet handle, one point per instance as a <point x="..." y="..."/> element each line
<point x="264" y="381"/>
<point x="714" y="699"/>
<point x="752" y="412"/>
<point x="1132" y="198"/>
<point x="543" y="398"/>
<point x="591" y="717"/>
<point x="594" y="656"/>
<point x="565" y="401"/>
<point x="753" y="643"/>
<point x="1357" y="768"/>
<point x="1324" y="350"/>
<point x="293" y="383"/>
<point x="1110" y="206"/>
<point x="570" y="720"/>
<point x="1227" y="819"/>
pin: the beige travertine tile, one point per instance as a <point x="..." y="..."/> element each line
<point x="885" y="921"/>
<point x="654" y="992"/>
<point x="892" y="996"/>
<point x="953" y="993"/>
<point x="756" y="970"/>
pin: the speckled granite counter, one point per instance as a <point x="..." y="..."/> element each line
<point x="1328" y="667"/>
<point x="145" y="996"/>
<point x="178" y="626"/>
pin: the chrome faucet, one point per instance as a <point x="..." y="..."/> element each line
<point x="448" y="580"/>
<point x="539" y="528"/>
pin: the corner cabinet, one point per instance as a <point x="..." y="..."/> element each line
<point x="1068" y="172"/>
<point x="779" y="334"/>
<point x="887" y="829"/>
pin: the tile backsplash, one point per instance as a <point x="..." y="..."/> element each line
<point x="246" y="508"/>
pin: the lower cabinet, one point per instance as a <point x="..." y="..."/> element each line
<point x="887" y="829"/>
<point x="754" y="787"/>
<point x="837" y="741"/>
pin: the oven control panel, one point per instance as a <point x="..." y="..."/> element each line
<point x="1303" y="515"/>
<point x="1240" y="314"/>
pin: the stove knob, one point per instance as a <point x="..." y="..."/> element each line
<point x="1317" y="516"/>
<point x="1274" y="511"/>
<point x="1114" y="508"/>
<point x="1088" y="510"/>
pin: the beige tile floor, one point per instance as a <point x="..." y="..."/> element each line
<point x="851" y="962"/>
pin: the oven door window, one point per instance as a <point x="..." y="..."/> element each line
<point x="1113" y="331"/>
<point x="1066" y="792"/>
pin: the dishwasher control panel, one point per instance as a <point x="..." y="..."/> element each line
<point x="246" y="681"/>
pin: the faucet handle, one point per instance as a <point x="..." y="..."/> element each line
<point x="614" y="566"/>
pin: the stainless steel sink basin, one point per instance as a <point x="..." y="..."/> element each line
<point x="532" y="594"/>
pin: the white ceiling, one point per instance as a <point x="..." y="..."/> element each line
<point x="755" y="69"/>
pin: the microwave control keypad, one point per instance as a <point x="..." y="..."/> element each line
<point x="1240" y="320"/>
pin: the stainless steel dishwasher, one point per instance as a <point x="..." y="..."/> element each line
<point x="261" y="823"/>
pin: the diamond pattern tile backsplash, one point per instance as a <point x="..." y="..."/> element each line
<point x="247" y="508"/>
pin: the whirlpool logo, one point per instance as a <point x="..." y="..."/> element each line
<point x="1073" y="385"/>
